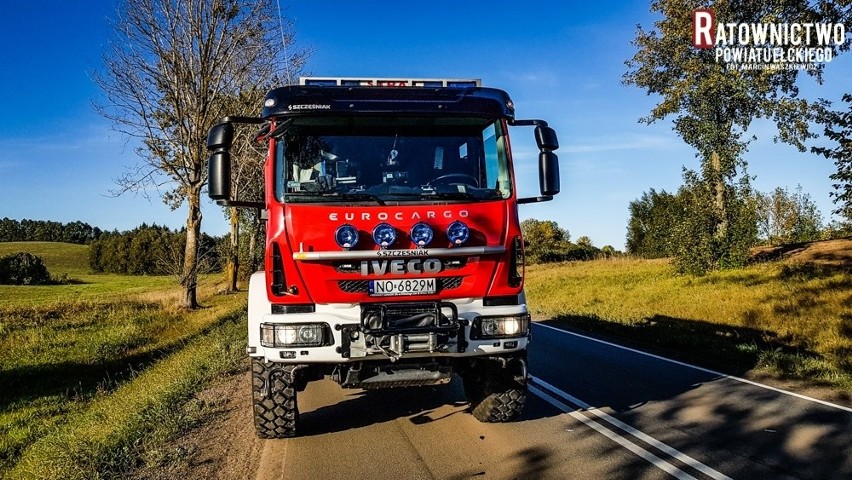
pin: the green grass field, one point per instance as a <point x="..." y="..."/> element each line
<point x="61" y="258"/>
<point x="71" y="260"/>
<point x="790" y="319"/>
<point x="66" y="350"/>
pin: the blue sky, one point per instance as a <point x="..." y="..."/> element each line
<point x="559" y="61"/>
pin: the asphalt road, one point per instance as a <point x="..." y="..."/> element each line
<point x="595" y="410"/>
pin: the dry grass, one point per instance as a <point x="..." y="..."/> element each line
<point x="793" y="317"/>
<point x="90" y="368"/>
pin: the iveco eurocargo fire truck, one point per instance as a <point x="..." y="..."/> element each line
<point x="394" y="254"/>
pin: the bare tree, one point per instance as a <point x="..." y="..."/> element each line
<point x="246" y="183"/>
<point x="248" y="155"/>
<point x="168" y="73"/>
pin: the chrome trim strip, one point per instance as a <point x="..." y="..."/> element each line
<point x="391" y="254"/>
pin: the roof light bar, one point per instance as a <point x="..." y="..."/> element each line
<point x="390" y="82"/>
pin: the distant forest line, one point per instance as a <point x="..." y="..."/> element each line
<point x="144" y="250"/>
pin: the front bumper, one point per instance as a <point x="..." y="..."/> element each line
<point x="345" y="332"/>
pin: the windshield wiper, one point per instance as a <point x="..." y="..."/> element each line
<point x="333" y="196"/>
<point x="451" y="195"/>
<point x="441" y="195"/>
<point x="355" y="196"/>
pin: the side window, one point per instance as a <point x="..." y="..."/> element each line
<point x="492" y="164"/>
<point x="496" y="167"/>
<point x="279" y="170"/>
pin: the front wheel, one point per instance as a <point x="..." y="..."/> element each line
<point x="497" y="396"/>
<point x="276" y="413"/>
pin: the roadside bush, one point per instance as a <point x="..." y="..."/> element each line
<point x="23" y="268"/>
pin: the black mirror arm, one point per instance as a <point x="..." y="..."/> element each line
<point x="241" y="119"/>
<point x="528" y="123"/>
<point x="543" y="198"/>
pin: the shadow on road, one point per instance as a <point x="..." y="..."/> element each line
<point x="697" y="410"/>
<point x="422" y="405"/>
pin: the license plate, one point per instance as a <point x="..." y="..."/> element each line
<point x="407" y="286"/>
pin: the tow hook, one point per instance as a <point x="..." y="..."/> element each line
<point x="524" y="376"/>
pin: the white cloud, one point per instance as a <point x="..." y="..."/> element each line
<point x="619" y="141"/>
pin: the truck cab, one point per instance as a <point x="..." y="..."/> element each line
<point x="394" y="254"/>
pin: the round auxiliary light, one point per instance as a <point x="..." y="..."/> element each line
<point x="309" y="334"/>
<point x="384" y="235"/>
<point x="346" y="236"/>
<point x="458" y="232"/>
<point x="421" y="234"/>
<point x="489" y="328"/>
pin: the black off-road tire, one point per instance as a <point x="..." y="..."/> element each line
<point x="497" y="399"/>
<point x="276" y="413"/>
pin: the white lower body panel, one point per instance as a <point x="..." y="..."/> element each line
<point x="339" y="315"/>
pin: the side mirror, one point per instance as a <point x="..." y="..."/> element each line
<point x="548" y="162"/>
<point x="220" y="136"/>
<point x="219" y="178"/>
<point x="548" y="173"/>
<point x="545" y="137"/>
<point x="219" y="141"/>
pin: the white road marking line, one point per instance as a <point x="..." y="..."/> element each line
<point x="641" y="452"/>
<point x="674" y="453"/>
<point x="705" y="370"/>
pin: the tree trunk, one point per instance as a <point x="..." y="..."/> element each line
<point x="233" y="267"/>
<point x="252" y="245"/>
<point x="189" y="278"/>
<point x="719" y="201"/>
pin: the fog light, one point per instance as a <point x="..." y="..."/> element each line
<point x="309" y="334"/>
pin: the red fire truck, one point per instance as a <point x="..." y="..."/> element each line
<point x="394" y="254"/>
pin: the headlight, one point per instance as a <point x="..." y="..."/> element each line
<point x="293" y="335"/>
<point x="421" y="234"/>
<point x="500" y="327"/>
<point x="384" y="235"/>
<point x="458" y="232"/>
<point x="346" y="236"/>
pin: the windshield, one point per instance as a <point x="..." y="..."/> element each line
<point x="391" y="159"/>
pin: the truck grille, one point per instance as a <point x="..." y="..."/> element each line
<point x="362" y="286"/>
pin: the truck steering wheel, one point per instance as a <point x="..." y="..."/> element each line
<point x="460" y="178"/>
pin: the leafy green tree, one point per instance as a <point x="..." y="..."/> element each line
<point x="580" y="251"/>
<point x="653" y="219"/>
<point x="150" y="250"/>
<point x="714" y="103"/>
<point x="9" y="230"/>
<point x="838" y="129"/>
<point x="788" y="218"/>
<point x="584" y="241"/>
<point x="545" y="241"/>
<point x="697" y="249"/>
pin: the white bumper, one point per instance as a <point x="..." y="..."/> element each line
<point x="348" y="314"/>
